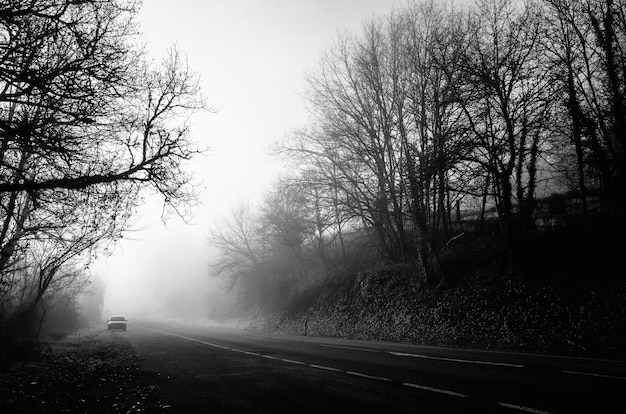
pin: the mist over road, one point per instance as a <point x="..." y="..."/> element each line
<point x="207" y="369"/>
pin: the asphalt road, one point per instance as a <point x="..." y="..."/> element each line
<point x="219" y="370"/>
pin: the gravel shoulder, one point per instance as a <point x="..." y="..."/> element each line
<point x="94" y="370"/>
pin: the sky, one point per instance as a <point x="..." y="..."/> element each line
<point x="251" y="56"/>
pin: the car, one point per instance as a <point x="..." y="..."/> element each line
<point x="117" y="322"/>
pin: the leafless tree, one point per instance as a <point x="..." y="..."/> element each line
<point x="587" y="45"/>
<point x="506" y="101"/>
<point x="86" y="123"/>
<point x="285" y="222"/>
<point x="242" y="247"/>
<point x="354" y="96"/>
<point x="429" y="118"/>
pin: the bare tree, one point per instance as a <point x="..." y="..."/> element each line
<point x="589" y="51"/>
<point x="82" y="107"/>
<point x="354" y="97"/>
<point x="242" y="247"/>
<point x="506" y="103"/>
<point x="429" y="119"/>
<point x="563" y="33"/>
<point x="86" y="123"/>
<point x="252" y="259"/>
<point x="284" y="220"/>
<point x="608" y="20"/>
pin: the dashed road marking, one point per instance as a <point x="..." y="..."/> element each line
<point x="522" y="408"/>
<point x="291" y="361"/>
<point x="246" y="352"/>
<point x="467" y="361"/>
<point x="348" y="347"/>
<point x="270" y="357"/>
<point x="590" y="374"/>
<point x="438" y="390"/>
<point x="325" y="368"/>
<point x="191" y="339"/>
<point x="382" y="379"/>
<point x="374" y="377"/>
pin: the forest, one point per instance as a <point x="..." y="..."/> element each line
<point x="442" y="136"/>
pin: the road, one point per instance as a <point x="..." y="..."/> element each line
<point x="206" y="369"/>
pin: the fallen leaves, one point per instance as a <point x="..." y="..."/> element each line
<point x="100" y="375"/>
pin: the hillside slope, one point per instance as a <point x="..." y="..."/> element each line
<point x="482" y="305"/>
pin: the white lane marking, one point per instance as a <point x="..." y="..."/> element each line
<point x="423" y="387"/>
<point x="358" y="374"/>
<point x="325" y="367"/>
<point x="191" y="339"/>
<point x="594" y="375"/>
<point x="291" y="361"/>
<point x="408" y="384"/>
<point x="270" y="357"/>
<point x="467" y="361"/>
<point x="348" y="347"/>
<point x="246" y="352"/>
<point x="522" y="408"/>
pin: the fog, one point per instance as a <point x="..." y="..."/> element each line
<point x="157" y="272"/>
<point x="252" y="57"/>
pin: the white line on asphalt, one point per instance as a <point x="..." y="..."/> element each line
<point x="423" y="387"/>
<point x="348" y="347"/>
<point x="467" y="361"/>
<point x="190" y="339"/>
<point x="326" y="368"/>
<point x="595" y="375"/>
<point x="270" y="357"/>
<point x="408" y="384"/>
<point x="245" y="352"/>
<point x="249" y="353"/>
<point x="291" y="361"/>
<point x="358" y="374"/>
<point x="522" y="408"/>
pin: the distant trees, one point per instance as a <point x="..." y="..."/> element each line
<point x="85" y="123"/>
<point x="242" y="244"/>
<point x="91" y="301"/>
